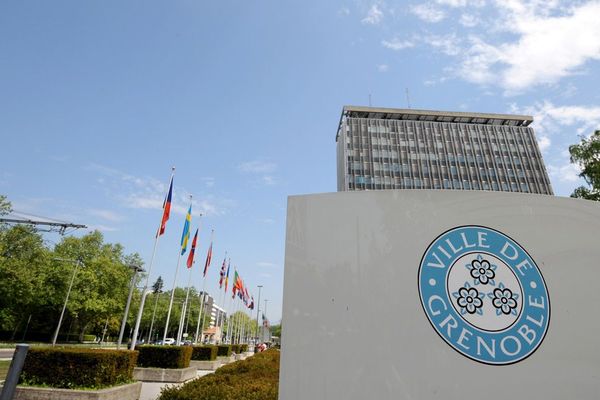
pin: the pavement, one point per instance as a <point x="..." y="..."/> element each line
<point x="151" y="390"/>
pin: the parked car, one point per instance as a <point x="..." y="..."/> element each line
<point x="167" y="341"/>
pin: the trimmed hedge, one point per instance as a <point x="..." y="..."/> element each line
<point x="243" y="348"/>
<point x="73" y="368"/>
<point x="164" y="356"/>
<point x="235" y="348"/>
<point x="256" y="378"/>
<point x="224" y="350"/>
<point x="204" y="353"/>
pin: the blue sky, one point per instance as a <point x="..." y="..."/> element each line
<point x="99" y="99"/>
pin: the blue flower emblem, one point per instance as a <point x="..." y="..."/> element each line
<point x="469" y="300"/>
<point x="482" y="271"/>
<point x="504" y="300"/>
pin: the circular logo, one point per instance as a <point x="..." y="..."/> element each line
<point x="484" y="295"/>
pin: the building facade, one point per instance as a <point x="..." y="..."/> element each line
<point x="384" y="148"/>
<point x="217" y="314"/>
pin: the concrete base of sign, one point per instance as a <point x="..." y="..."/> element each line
<point x="171" y="375"/>
<point x="206" y="365"/>
<point x="124" y="392"/>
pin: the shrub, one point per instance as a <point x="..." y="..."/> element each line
<point x="204" y="353"/>
<point x="224" y="350"/>
<point x="74" y="368"/>
<point x="243" y="348"/>
<point x="164" y="356"/>
<point x="256" y="378"/>
<point x="235" y="348"/>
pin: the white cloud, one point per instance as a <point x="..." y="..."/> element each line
<point x="383" y="67"/>
<point x="268" y="180"/>
<point x="208" y="181"/>
<point x="344" y="11"/>
<point x="461" y="3"/>
<point x="550" y="43"/>
<point x="469" y="20"/>
<point x="257" y="166"/>
<point x="428" y="12"/>
<point x="566" y="173"/>
<point x="374" y="15"/>
<point x="550" y="119"/>
<point x="149" y="193"/>
<point x="265" y="264"/>
<point x="544" y="143"/>
<point x="102" y="228"/>
<point x="448" y="44"/>
<point x="106" y="214"/>
<point x="397" y="44"/>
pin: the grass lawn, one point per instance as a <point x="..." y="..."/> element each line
<point x="4" y="369"/>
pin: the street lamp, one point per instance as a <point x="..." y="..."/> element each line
<point x="158" y="292"/>
<point x="136" y="269"/>
<point x="139" y="319"/>
<point x="258" y="330"/>
<point x="77" y="263"/>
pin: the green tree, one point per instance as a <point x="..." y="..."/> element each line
<point x="23" y="270"/>
<point x="101" y="285"/>
<point x="276" y="330"/>
<point x="5" y="206"/>
<point x="586" y="155"/>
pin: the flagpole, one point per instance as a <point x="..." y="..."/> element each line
<point x="182" y="316"/>
<point x="141" y="309"/>
<point x="228" y="318"/>
<point x="174" y="283"/>
<point x="201" y="308"/>
<point x="231" y="320"/>
<point x="171" y="300"/>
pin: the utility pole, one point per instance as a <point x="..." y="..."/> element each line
<point x="62" y="313"/>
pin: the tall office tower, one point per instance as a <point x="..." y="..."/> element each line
<point x="385" y="148"/>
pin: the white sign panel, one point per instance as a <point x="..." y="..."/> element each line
<point x="441" y="294"/>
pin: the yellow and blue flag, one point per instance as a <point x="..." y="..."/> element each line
<point x="186" y="231"/>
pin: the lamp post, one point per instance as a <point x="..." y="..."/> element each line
<point x="136" y="269"/>
<point x="62" y="313"/>
<point x="139" y="318"/>
<point x="158" y="292"/>
<point x="258" y="330"/>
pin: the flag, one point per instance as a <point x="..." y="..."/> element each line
<point x="227" y="275"/>
<point x="190" y="260"/>
<point x="251" y="306"/>
<point x="222" y="273"/>
<point x="166" y="210"/>
<point x="186" y="231"/>
<point x="208" y="259"/>
<point x="236" y="286"/>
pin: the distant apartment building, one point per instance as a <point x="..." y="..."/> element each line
<point x="216" y="314"/>
<point x="385" y="148"/>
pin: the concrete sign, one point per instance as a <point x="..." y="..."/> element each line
<point x="441" y="294"/>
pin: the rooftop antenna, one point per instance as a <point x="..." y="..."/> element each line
<point x="407" y="99"/>
<point x="369" y="99"/>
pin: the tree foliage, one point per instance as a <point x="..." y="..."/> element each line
<point x="5" y="206"/>
<point x="586" y="155"/>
